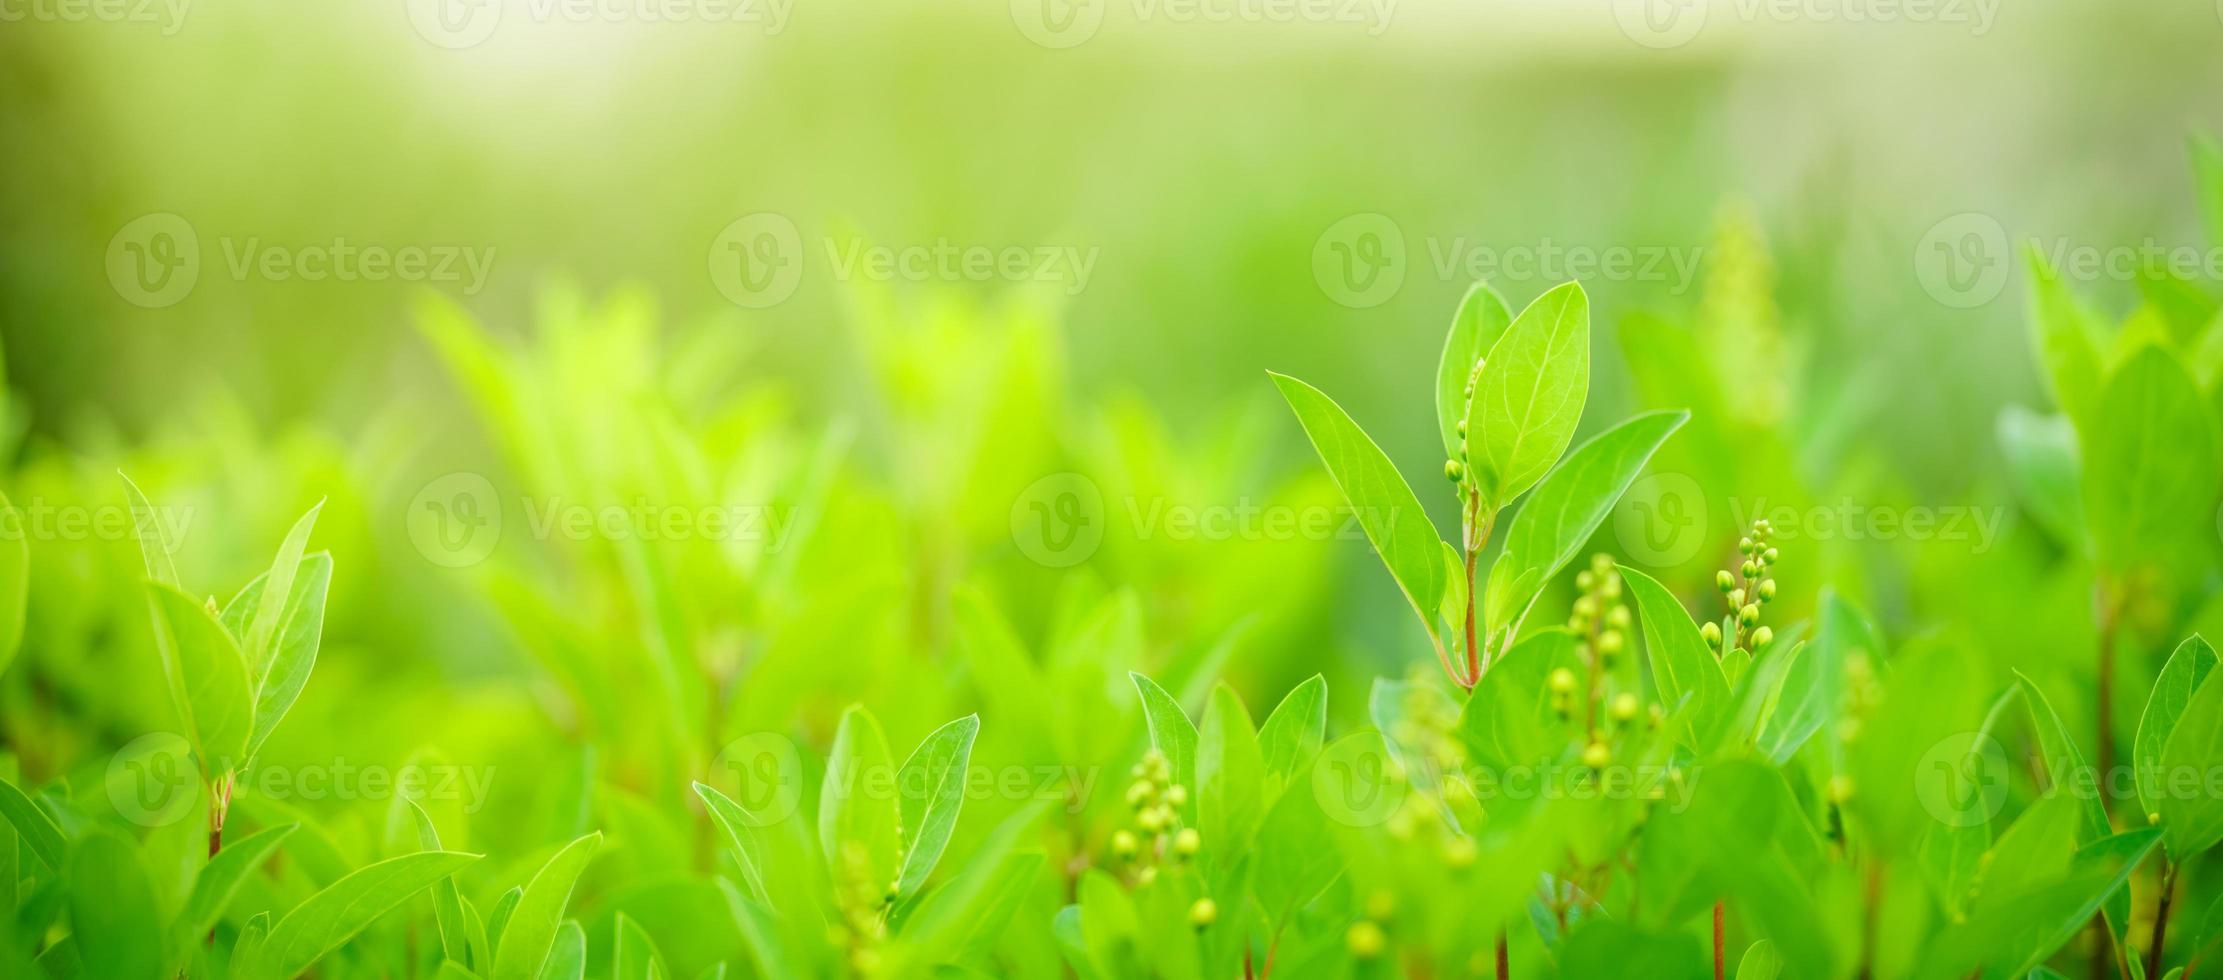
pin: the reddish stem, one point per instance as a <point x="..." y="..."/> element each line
<point x="1720" y="960"/>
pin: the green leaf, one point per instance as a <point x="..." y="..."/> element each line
<point x="567" y="956"/>
<point x="497" y="919"/>
<point x="1603" y="947"/>
<point x="1296" y="855"/>
<point x="447" y="899"/>
<point x="1293" y="733"/>
<point x="1682" y="665"/>
<point x="1481" y="320"/>
<point x="1760" y="962"/>
<point x="279" y="681"/>
<point x="208" y="678"/>
<point x="1380" y="499"/>
<point x="2188" y="666"/>
<point x="2010" y="939"/>
<point x="221" y="877"/>
<point x="740" y="828"/>
<point x="155" y="546"/>
<point x="329" y="918"/>
<point x="247" y="949"/>
<point x="932" y="783"/>
<point x="2041" y="456"/>
<point x="1171" y="731"/>
<point x="765" y="936"/>
<point x="40" y="835"/>
<point x="2036" y="846"/>
<point x="2066" y="770"/>
<point x="1510" y="720"/>
<point x="2207" y="174"/>
<point x="2192" y="821"/>
<point x="278" y="592"/>
<point x="2065" y="337"/>
<point x="1530" y="395"/>
<point x="1229" y="769"/>
<point x="634" y="956"/>
<point x="851" y="813"/>
<point x="2151" y="470"/>
<point x="1551" y="529"/>
<point x="112" y="908"/>
<point x="530" y="933"/>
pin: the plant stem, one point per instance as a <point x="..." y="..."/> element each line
<point x="1476" y="535"/>
<point x="1871" y="913"/>
<point x="1720" y="960"/>
<point x="2161" y="918"/>
<point x="2103" y="714"/>
<point x="1504" y="960"/>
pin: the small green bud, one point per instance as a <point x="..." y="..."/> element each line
<point x="1177" y="795"/>
<point x="1736" y="597"/>
<point x="1462" y="427"/>
<point x="1624" y="707"/>
<point x="1203" y="913"/>
<point x="1186" y="843"/>
<point x="1712" y="632"/>
<point x="1761" y="637"/>
<point x="1767" y="590"/>
<point x="1744" y="546"/>
<point x="1724" y="581"/>
<point x="1365" y="939"/>
<point x="1123" y="843"/>
<point x="1618" y="617"/>
<point x="1453" y="471"/>
<point x="1769" y="556"/>
<point x="1596" y="755"/>
<point x="1609" y="643"/>
<point x="1585" y="581"/>
<point x="1750" y="569"/>
<point x="1562" y="680"/>
<point x="1748" y="616"/>
<point x="1459" y="852"/>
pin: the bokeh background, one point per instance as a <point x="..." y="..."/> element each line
<point x="1831" y="207"/>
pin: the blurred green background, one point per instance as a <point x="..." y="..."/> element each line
<point x="1841" y="195"/>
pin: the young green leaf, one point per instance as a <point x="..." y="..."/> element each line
<point x="530" y="934"/>
<point x="447" y="899"/>
<point x="1682" y="665"/>
<point x="2010" y="939"/>
<point x="634" y="955"/>
<point x="2065" y="338"/>
<point x="567" y="956"/>
<point x="1229" y="768"/>
<point x="1294" y="732"/>
<point x="851" y="814"/>
<point x="221" y="877"/>
<point x="1171" y="731"/>
<point x="2151" y="469"/>
<point x="1481" y="320"/>
<point x="155" y="547"/>
<point x="208" y="678"/>
<point x="497" y="920"/>
<point x="1530" y="395"/>
<point x="1380" y="498"/>
<point x="112" y="908"/>
<point x="2035" y="847"/>
<point x="329" y="918"/>
<point x="740" y="828"/>
<point x="2192" y="822"/>
<point x="270" y="610"/>
<point x="40" y="836"/>
<point x="2065" y="768"/>
<point x="2187" y="668"/>
<point x="932" y="790"/>
<point x="279" y="682"/>
<point x="2041" y="456"/>
<point x="1567" y="507"/>
<point x="765" y="936"/>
